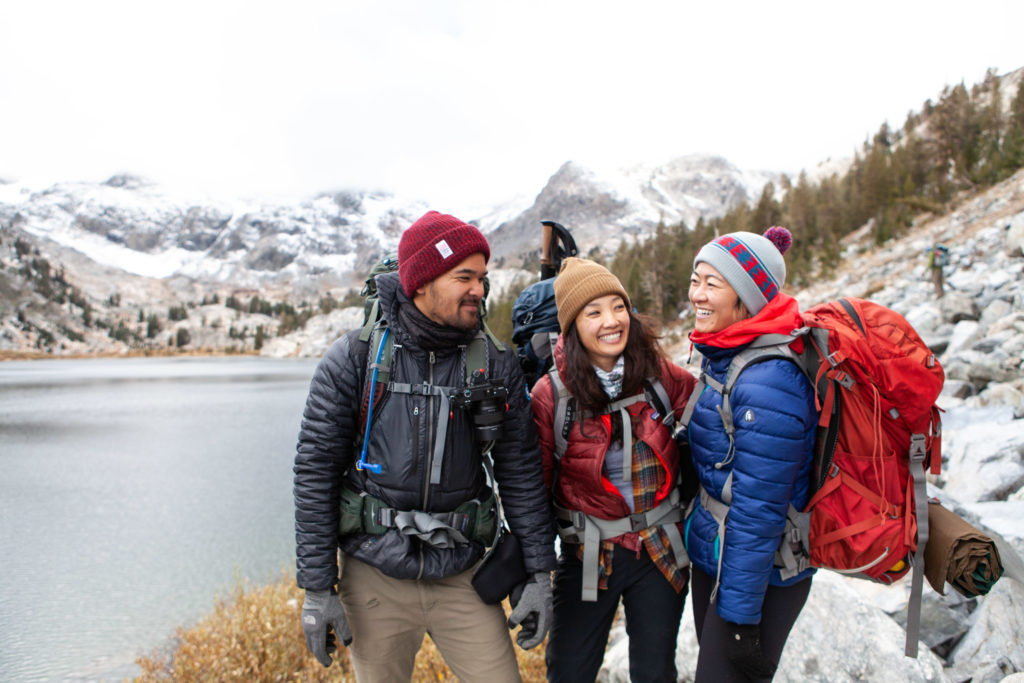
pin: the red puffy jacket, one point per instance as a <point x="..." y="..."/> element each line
<point x="581" y="484"/>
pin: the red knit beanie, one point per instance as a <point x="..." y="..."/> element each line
<point x="433" y="245"/>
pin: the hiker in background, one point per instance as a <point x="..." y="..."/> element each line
<point x="617" y="465"/>
<point x="743" y="610"/>
<point x="938" y="257"/>
<point x="406" y="561"/>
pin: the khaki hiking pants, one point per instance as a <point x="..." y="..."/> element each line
<point x="388" y="618"/>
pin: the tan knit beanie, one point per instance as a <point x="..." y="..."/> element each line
<point x="579" y="282"/>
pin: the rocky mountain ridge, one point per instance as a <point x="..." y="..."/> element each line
<point x="604" y="210"/>
<point x="123" y="251"/>
<point x="128" y="223"/>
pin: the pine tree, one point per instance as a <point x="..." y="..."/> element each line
<point x="1013" y="143"/>
<point x="768" y="212"/>
<point x="182" y="337"/>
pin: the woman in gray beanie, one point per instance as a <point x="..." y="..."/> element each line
<point x="743" y="606"/>
<point x="613" y="468"/>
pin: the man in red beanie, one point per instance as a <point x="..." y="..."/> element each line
<point x="406" y="499"/>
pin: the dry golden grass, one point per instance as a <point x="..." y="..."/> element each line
<point x="255" y="635"/>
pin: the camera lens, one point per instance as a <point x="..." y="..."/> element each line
<point x="488" y="419"/>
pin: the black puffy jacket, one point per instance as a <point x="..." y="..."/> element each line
<point x="401" y="440"/>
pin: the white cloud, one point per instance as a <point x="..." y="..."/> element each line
<point x="466" y="103"/>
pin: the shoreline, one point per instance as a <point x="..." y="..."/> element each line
<point x="10" y="355"/>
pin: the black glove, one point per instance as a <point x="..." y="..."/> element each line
<point x="322" y="619"/>
<point x="532" y="610"/>
<point x="743" y="649"/>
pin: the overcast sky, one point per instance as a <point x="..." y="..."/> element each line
<point x="465" y="104"/>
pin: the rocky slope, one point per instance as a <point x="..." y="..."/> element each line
<point x="851" y="630"/>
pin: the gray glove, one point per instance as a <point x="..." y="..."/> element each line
<point x="533" y="611"/>
<point x="322" y="619"/>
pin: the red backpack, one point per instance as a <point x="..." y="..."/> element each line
<point x="876" y="384"/>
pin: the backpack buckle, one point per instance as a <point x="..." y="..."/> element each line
<point x="385" y="516"/>
<point x="579" y="520"/>
<point x="917" y="447"/>
<point x="637" y="521"/>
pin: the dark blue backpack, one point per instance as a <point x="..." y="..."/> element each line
<point x="534" y="314"/>
<point x="535" y="328"/>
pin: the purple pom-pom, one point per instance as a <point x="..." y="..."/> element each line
<point x="780" y="237"/>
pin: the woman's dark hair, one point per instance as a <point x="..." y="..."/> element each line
<point x="643" y="359"/>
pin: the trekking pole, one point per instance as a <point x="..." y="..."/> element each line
<point x="547" y="268"/>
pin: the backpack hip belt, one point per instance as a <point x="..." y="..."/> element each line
<point x="793" y="554"/>
<point x="472" y="521"/>
<point x="590" y="531"/>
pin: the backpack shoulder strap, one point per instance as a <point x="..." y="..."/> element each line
<point x="765" y="347"/>
<point x="543" y="343"/>
<point x="378" y="368"/>
<point x="371" y="321"/>
<point x="564" y="405"/>
<point x="383" y="366"/>
<point x="659" y="400"/>
<point x="494" y="338"/>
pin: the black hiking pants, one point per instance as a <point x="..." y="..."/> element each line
<point x="781" y="607"/>
<point x="579" y="631"/>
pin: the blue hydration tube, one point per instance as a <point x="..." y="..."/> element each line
<point x="361" y="464"/>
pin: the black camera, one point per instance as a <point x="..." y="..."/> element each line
<point x="486" y="401"/>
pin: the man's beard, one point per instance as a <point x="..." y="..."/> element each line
<point x="461" y="315"/>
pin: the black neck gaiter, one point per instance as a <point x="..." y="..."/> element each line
<point x="429" y="335"/>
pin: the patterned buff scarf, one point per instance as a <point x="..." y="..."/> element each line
<point x="611" y="381"/>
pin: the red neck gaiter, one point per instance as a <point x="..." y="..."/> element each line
<point x="781" y="315"/>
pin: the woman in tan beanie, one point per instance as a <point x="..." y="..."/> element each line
<point x="603" y="417"/>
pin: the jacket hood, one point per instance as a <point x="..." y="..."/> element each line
<point x="388" y="287"/>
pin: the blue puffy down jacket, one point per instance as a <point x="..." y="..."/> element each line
<point x="775" y="419"/>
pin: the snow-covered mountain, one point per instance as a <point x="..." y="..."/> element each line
<point x="129" y="224"/>
<point x="603" y="209"/>
<point x="84" y="266"/>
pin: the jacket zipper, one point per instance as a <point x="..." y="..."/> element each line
<point x="415" y="439"/>
<point x="430" y="452"/>
<point x="430" y="436"/>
